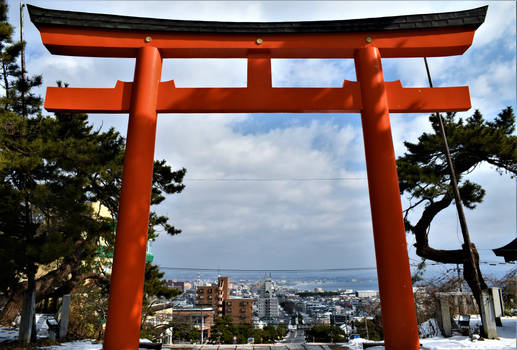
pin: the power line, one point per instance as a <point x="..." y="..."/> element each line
<point x="274" y="179"/>
<point x="443" y="264"/>
<point x="264" y="270"/>
<point x="343" y="269"/>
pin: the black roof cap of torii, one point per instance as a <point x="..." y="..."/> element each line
<point x="44" y="17"/>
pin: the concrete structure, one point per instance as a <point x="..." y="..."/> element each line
<point x="267" y="300"/>
<point x="218" y="297"/>
<point x="214" y="295"/>
<point x="176" y="285"/>
<point x="444" y="316"/>
<point x="200" y="317"/>
<point x="497" y="299"/>
<point x="367" y="294"/>
<point x="239" y="309"/>
<point x="487" y="311"/>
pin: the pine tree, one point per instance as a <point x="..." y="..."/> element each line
<point x="52" y="170"/>
<point x="425" y="178"/>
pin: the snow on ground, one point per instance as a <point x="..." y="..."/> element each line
<point x="76" y="345"/>
<point x="507" y="335"/>
<point x="8" y="334"/>
<point x="462" y="342"/>
<point x="509" y="329"/>
<point x="357" y="343"/>
<point x="11" y="333"/>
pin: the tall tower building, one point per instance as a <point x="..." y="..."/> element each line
<point x="267" y="300"/>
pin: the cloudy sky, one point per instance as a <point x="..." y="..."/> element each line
<point x="283" y="223"/>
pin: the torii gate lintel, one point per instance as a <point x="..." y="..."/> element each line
<point x="364" y="40"/>
<point x="257" y="99"/>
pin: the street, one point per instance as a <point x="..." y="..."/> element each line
<point x="295" y="336"/>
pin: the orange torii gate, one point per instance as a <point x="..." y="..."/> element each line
<point x="365" y="40"/>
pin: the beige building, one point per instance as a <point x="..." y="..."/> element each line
<point x="199" y="317"/>
<point x="218" y="297"/>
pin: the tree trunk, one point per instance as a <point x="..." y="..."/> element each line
<point x="472" y="274"/>
<point x="11" y="309"/>
<point x="457" y="256"/>
<point x="27" y="330"/>
<point x="45" y="287"/>
<point x="469" y="273"/>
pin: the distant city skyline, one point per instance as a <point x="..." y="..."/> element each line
<point x="284" y="191"/>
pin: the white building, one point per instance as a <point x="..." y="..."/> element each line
<point x="367" y="293"/>
<point x="267" y="300"/>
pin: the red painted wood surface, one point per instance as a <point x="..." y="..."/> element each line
<point x="257" y="100"/>
<point x="397" y="304"/>
<point x="406" y="43"/>
<point x="127" y="278"/>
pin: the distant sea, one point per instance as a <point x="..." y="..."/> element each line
<point x="327" y="281"/>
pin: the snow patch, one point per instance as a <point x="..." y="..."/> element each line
<point x="76" y="345"/>
<point x="507" y="338"/>
<point x="429" y="329"/>
<point x="357" y="343"/>
<point x="8" y="334"/>
<point x="462" y="342"/>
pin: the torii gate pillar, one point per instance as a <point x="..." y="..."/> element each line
<point x="398" y="309"/>
<point x="127" y="277"/>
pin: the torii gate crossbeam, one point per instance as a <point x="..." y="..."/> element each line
<point x="365" y="40"/>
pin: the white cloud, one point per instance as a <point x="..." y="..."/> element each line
<point x="273" y="211"/>
<point x="291" y="224"/>
<point x="499" y="24"/>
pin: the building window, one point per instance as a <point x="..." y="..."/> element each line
<point x="229" y="303"/>
<point x="244" y="303"/>
<point x="210" y="290"/>
<point x="229" y="309"/>
<point x="201" y="291"/>
<point x="209" y="297"/>
<point x="243" y="310"/>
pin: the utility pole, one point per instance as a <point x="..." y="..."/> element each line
<point x="366" y="324"/>
<point x="460" y="288"/>
<point x="22" y="57"/>
<point x="467" y="246"/>
<point x="202" y="325"/>
<point x="462" y="305"/>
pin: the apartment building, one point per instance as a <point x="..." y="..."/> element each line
<point x="267" y="300"/>
<point x="199" y="317"/>
<point x="240" y="309"/>
<point x="218" y="297"/>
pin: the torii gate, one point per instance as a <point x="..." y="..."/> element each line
<point x="365" y="40"/>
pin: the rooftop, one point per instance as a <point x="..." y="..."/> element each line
<point x="42" y="17"/>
